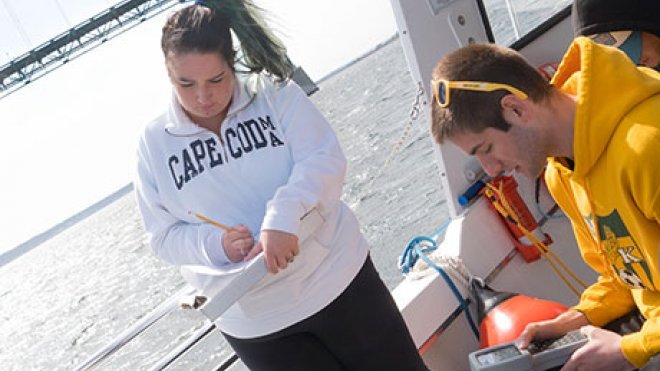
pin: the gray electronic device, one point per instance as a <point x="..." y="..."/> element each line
<point x="539" y="356"/>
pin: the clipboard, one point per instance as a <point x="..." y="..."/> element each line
<point x="221" y="294"/>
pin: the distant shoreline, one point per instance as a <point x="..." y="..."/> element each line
<point x="27" y="246"/>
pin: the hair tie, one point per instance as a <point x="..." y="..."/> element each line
<point x="211" y="4"/>
<point x="206" y="3"/>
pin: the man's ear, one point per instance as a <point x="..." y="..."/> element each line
<point x="514" y="109"/>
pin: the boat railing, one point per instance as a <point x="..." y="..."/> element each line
<point x="181" y="299"/>
<point x="211" y="302"/>
<point x="129" y="334"/>
<point x="217" y="298"/>
<point x="184" y="347"/>
<point x="218" y="295"/>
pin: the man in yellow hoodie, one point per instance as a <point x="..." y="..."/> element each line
<point x="596" y="127"/>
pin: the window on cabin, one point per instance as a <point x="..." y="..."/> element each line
<point x="512" y="19"/>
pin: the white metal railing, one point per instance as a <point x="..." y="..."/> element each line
<point x="139" y="327"/>
<point x="213" y="301"/>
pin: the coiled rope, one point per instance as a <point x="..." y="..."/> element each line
<point x="418" y="248"/>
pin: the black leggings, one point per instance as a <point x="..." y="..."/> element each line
<point x="360" y="330"/>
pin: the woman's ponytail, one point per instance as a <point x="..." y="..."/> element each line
<point x="260" y="48"/>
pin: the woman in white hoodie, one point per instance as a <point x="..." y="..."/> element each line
<point x="249" y="150"/>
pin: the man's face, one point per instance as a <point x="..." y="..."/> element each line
<point x="650" y="50"/>
<point x="521" y="149"/>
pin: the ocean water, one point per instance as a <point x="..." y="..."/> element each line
<point x="527" y="14"/>
<point x="72" y="295"/>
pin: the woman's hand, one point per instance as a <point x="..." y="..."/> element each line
<point x="279" y="248"/>
<point x="238" y="242"/>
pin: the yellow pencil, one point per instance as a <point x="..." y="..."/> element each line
<point x="202" y="217"/>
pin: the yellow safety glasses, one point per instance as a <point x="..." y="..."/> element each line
<point x="441" y="89"/>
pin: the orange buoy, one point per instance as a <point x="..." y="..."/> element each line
<point x="504" y="315"/>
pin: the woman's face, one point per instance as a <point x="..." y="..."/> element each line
<point x="203" y="83"/>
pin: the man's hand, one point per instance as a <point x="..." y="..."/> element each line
<point x="601" y="352"/>
<point x="553" y="328"/>
<point x="279" y="248"/>
<point x="237" y="242"/>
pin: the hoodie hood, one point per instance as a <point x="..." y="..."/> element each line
<point x="607" y="86"/>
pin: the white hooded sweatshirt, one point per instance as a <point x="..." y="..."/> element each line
<point x="276" y="159"/>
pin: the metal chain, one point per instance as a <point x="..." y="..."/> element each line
<point x="415" y="111"/>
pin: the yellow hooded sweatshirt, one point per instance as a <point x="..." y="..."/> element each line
<point x="612" y="193"/>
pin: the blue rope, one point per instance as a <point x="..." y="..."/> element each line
<point x="412" y="252"/>
<point x="437" y="232"/>
<point x="417" y="248"/>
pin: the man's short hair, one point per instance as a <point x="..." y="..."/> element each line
<point x="474" y="111"/>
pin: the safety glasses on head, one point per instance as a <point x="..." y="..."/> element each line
<point x="441" y="89"/>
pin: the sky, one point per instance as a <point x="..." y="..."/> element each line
<point x="68" y="139"/>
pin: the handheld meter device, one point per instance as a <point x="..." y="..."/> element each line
<point x="539" y="356"/>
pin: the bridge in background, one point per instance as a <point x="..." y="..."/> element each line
<point x="89" y="34"/>
<point x="78" y="40"/>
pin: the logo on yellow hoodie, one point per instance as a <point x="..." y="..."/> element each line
<point x="622" y="252"/>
